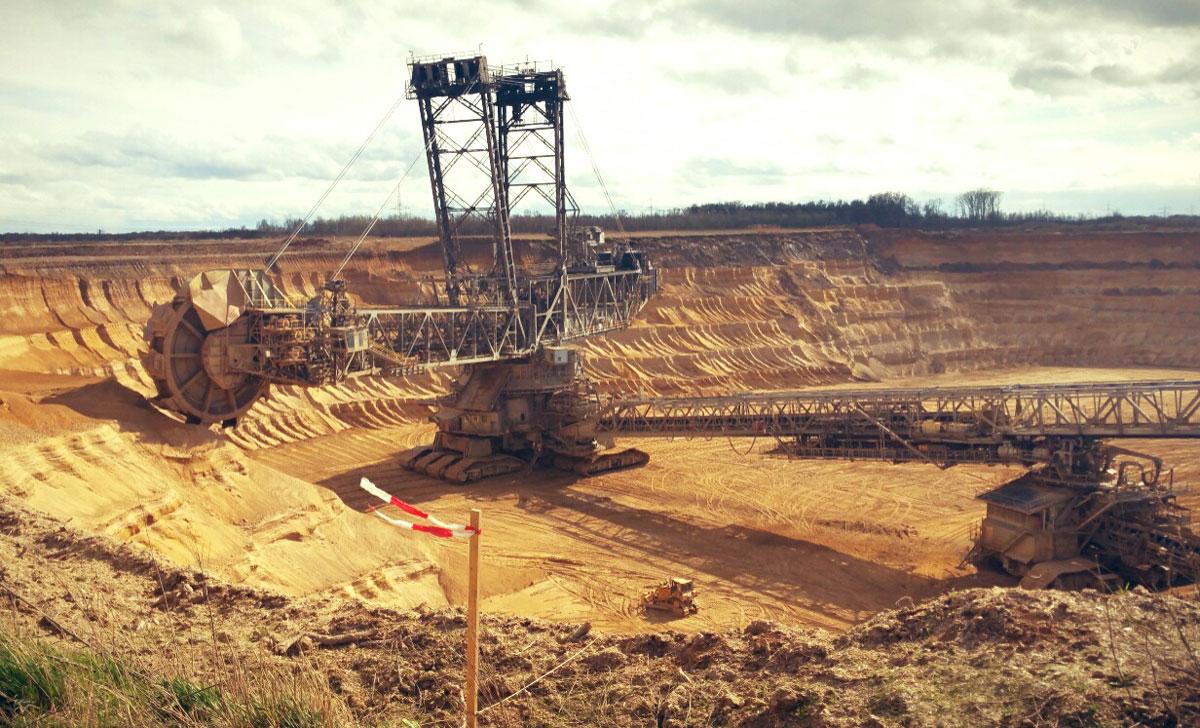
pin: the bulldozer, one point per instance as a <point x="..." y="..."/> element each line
<point x="674" y="595"/>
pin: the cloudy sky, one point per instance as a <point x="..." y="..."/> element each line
<point x="135" y="115"/>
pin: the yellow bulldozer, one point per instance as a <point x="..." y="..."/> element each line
<point x="675" y="596"/>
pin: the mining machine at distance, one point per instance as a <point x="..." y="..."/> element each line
<point x="1087" y="511"/>
<point x="493" y="138"/>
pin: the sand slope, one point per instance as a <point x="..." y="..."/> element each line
<point x="128" y="472"/>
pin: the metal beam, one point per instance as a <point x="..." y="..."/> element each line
<point x="934" y="415"/>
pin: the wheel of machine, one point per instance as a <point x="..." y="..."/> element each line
<point x="1014" y="567"/>
<point x="602" y="463"/>
<point x="1079" y="581"/>
<point x="191" y="365"/>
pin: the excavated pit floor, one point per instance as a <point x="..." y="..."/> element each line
<point x="822" y="543"/>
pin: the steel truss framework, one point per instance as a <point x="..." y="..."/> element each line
<point x="958" y="416"/>
<point x="507" y="128"/>
<point x="531" y="105"/>
<point x="457" y="94"/>
<point x="552" y="309"/>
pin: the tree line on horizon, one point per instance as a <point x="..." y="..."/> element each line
<point x="974" y="208"/>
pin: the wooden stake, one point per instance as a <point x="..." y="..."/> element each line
<point x="473" y="624"/>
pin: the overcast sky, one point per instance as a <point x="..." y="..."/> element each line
<point x="136" y="115"/>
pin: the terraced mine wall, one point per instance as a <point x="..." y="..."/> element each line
<point x="736" y="311"/>
<point x="783" y="311"/>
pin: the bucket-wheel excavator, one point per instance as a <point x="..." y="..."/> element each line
<point x="493" y="137"/>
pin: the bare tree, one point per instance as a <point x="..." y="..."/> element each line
<point x="979" y="205"/>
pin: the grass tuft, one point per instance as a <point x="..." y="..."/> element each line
<point x="285" y="713"/>
<point x="44" y="685"/>
<point x="181" y="696"/>
<point x="29" y="679"/>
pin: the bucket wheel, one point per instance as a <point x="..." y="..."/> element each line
<point x="201" y="372"/>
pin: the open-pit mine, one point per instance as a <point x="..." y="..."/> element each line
<point x="804" y="426"/>
<point x="721" y="430"/>
<point x="274" y="501"/>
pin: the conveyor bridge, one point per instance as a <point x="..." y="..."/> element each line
<point x="945" y="424"/>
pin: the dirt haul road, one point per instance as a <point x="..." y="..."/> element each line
<point x="274" y="503"/>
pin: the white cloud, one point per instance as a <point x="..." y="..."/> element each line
<point x="126" y="114"/>
<point x="209" y="29"/>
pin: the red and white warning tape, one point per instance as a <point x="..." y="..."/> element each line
<point x="439" y="528"/>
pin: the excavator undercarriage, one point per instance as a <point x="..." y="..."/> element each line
<point x="506" y="416"/>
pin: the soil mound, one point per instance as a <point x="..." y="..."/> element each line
<point x="978" y="657"/>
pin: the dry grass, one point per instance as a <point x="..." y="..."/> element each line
<point x="46" y="684"/>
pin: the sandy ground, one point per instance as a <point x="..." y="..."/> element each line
<point x="274" y="503"/>
<point x="804" y="542"/>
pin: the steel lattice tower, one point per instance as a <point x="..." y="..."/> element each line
<point x="531" y="104"/>
<point x="458" y="124"/>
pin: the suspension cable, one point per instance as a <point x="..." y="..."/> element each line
<point x="346" y="168"/>
<point x="595" y="168"/>
<point x="378" y="213"/>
